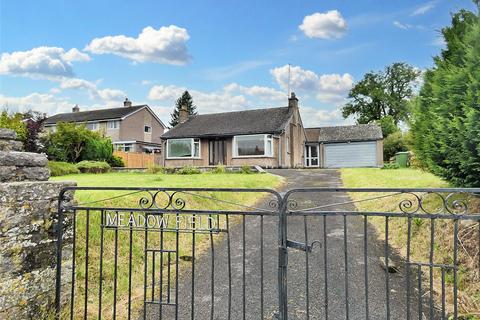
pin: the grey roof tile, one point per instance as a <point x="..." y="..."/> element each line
<point x="269" y="120"/>
<point x="100" y="114"/>
<point x="360" y="132"/>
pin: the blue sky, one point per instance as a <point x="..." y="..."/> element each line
<point x="231" y="55"/>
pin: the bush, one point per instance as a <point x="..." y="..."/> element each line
<point x="188" y="170"/>
<point x="97" y="149"/>
<point x="93" y="166"/>
<point x="220" y="168"/>
<point x="58" y="168"/>
<point x="392" y="144"/>
<point x="116" y="161"/>
<point x="154" y="169"/>
<point x="389" y="166"/>
<point x="245" y="169"/>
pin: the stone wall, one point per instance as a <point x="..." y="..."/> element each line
<point x="28" y="205"/>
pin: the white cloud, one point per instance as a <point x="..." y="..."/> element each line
<point x="300" y="79"/>
<point x="41" y="102"/>
<point x="400" y="25"/>
<point x="326" y="25"/>
<point x="107" y="95"/>
<point x="331" y="88"/>
<point x="314" y="117"/>
<point x="260" y="92"/>
<point x="424" y="8"/>
<point x="166" y="45"/>
<point x="43" y="62"/>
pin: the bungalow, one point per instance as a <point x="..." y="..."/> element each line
<point x="272" y="138"/>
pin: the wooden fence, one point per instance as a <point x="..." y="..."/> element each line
<point x="138" y="159"/>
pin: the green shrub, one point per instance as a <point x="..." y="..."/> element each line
<point x="87" y="166"/>
<point x="97" y="149"/>
<point x="389" y="166"/>
<point x="188" y="170"/>
<point x="154" y="169"/>
<point x="116" y="161"/>
<point x="58" y="168"/>
<point x="219" y="168"/>
<point x="245" y="169"/>
<point x="392" y="144"/>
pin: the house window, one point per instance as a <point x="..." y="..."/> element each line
<point x="126" y="147"/>
<point x="147" y="129"/>
<point x="113" y="124"/>
<point x="183" y="148"/>
<point x="253" y="145"/>
<point x="92" y="126"/>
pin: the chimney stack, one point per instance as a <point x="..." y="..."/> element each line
<point x="75" y="108"/>
<point x="183" y="114"/>
<point x="293" y="101"/>
<point x="127" y="103"/>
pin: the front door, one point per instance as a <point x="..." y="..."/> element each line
<point x="311" y="156"/>
<point x="216" y="152"/>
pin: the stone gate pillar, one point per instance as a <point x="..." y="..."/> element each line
<point x="28" y="205"/>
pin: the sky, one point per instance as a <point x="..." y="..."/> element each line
<point x="230" y="55"/>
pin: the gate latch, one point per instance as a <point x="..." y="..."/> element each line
<point x="299" y="246"/>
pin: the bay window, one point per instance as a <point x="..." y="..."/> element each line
<point x="183" y="148"/>
<point x="257" y="145"/>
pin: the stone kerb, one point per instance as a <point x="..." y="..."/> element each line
<point x="28" y="211"/>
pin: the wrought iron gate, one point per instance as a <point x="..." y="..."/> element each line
<point x="319" y="253"/>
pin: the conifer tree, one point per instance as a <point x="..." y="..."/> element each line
<point x="185" y="99"/>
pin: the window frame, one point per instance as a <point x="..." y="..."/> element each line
<point x="122" y="146"/>
<point x="268" y="152"/>
<point x="95" y="125"/>
<point x="193" y="142"/>
<point x="116" y="124"/>
<point x="149" y="127"/>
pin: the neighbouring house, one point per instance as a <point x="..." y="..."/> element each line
<point x="131" y="128"/>
<point x="344" y="146"/>
<point x="271" y="137"/>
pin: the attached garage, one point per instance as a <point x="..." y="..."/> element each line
<point x="354" y="154"/>
<point x="346" y="146"/>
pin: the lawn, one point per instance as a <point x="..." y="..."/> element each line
<point x="468" y="277"/>
<point x="118" y="275"/>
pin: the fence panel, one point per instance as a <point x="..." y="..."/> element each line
<point x="137" y="159"/>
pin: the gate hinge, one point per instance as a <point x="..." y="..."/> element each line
<point x="299" y="246"/>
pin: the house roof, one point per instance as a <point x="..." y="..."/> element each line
<point x="93" y="115"/>
<point x="269" y="120"/>
<point x="360" y="132"/>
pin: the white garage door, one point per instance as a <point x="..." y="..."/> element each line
<point x="354" y="154"/>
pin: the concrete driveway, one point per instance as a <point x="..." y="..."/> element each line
<point x="246" y="275"/>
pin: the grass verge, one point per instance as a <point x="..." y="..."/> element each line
<point x="468" y="252"/>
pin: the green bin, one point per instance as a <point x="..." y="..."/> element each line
<point x="401" y="158"/>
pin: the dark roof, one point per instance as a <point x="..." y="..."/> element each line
<point x="360" y="132"/>
<point x="269" y="120"/>
<point x="101" y="114"/>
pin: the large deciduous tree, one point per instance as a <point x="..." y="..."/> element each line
<point x="445" y="123"/>
<point x="185" y="99"/>
<point x="381" y="94"/>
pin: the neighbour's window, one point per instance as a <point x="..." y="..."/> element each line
<point x="253" y="145"/>
<point x="92" y="126"/>
<point x="147" y="129"/>
<point x="113" y="124"/>
<point x="183" y="148"/>
<point x="127" y="147"/>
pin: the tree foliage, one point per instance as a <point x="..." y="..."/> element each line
<point x="185" y="99"/>
<point x="73" y="143"/>
<point x="13" y="121"/>
<point x="445" y="124"/>
<point x="381" y="94"/>
<point x="34" y="125"/>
